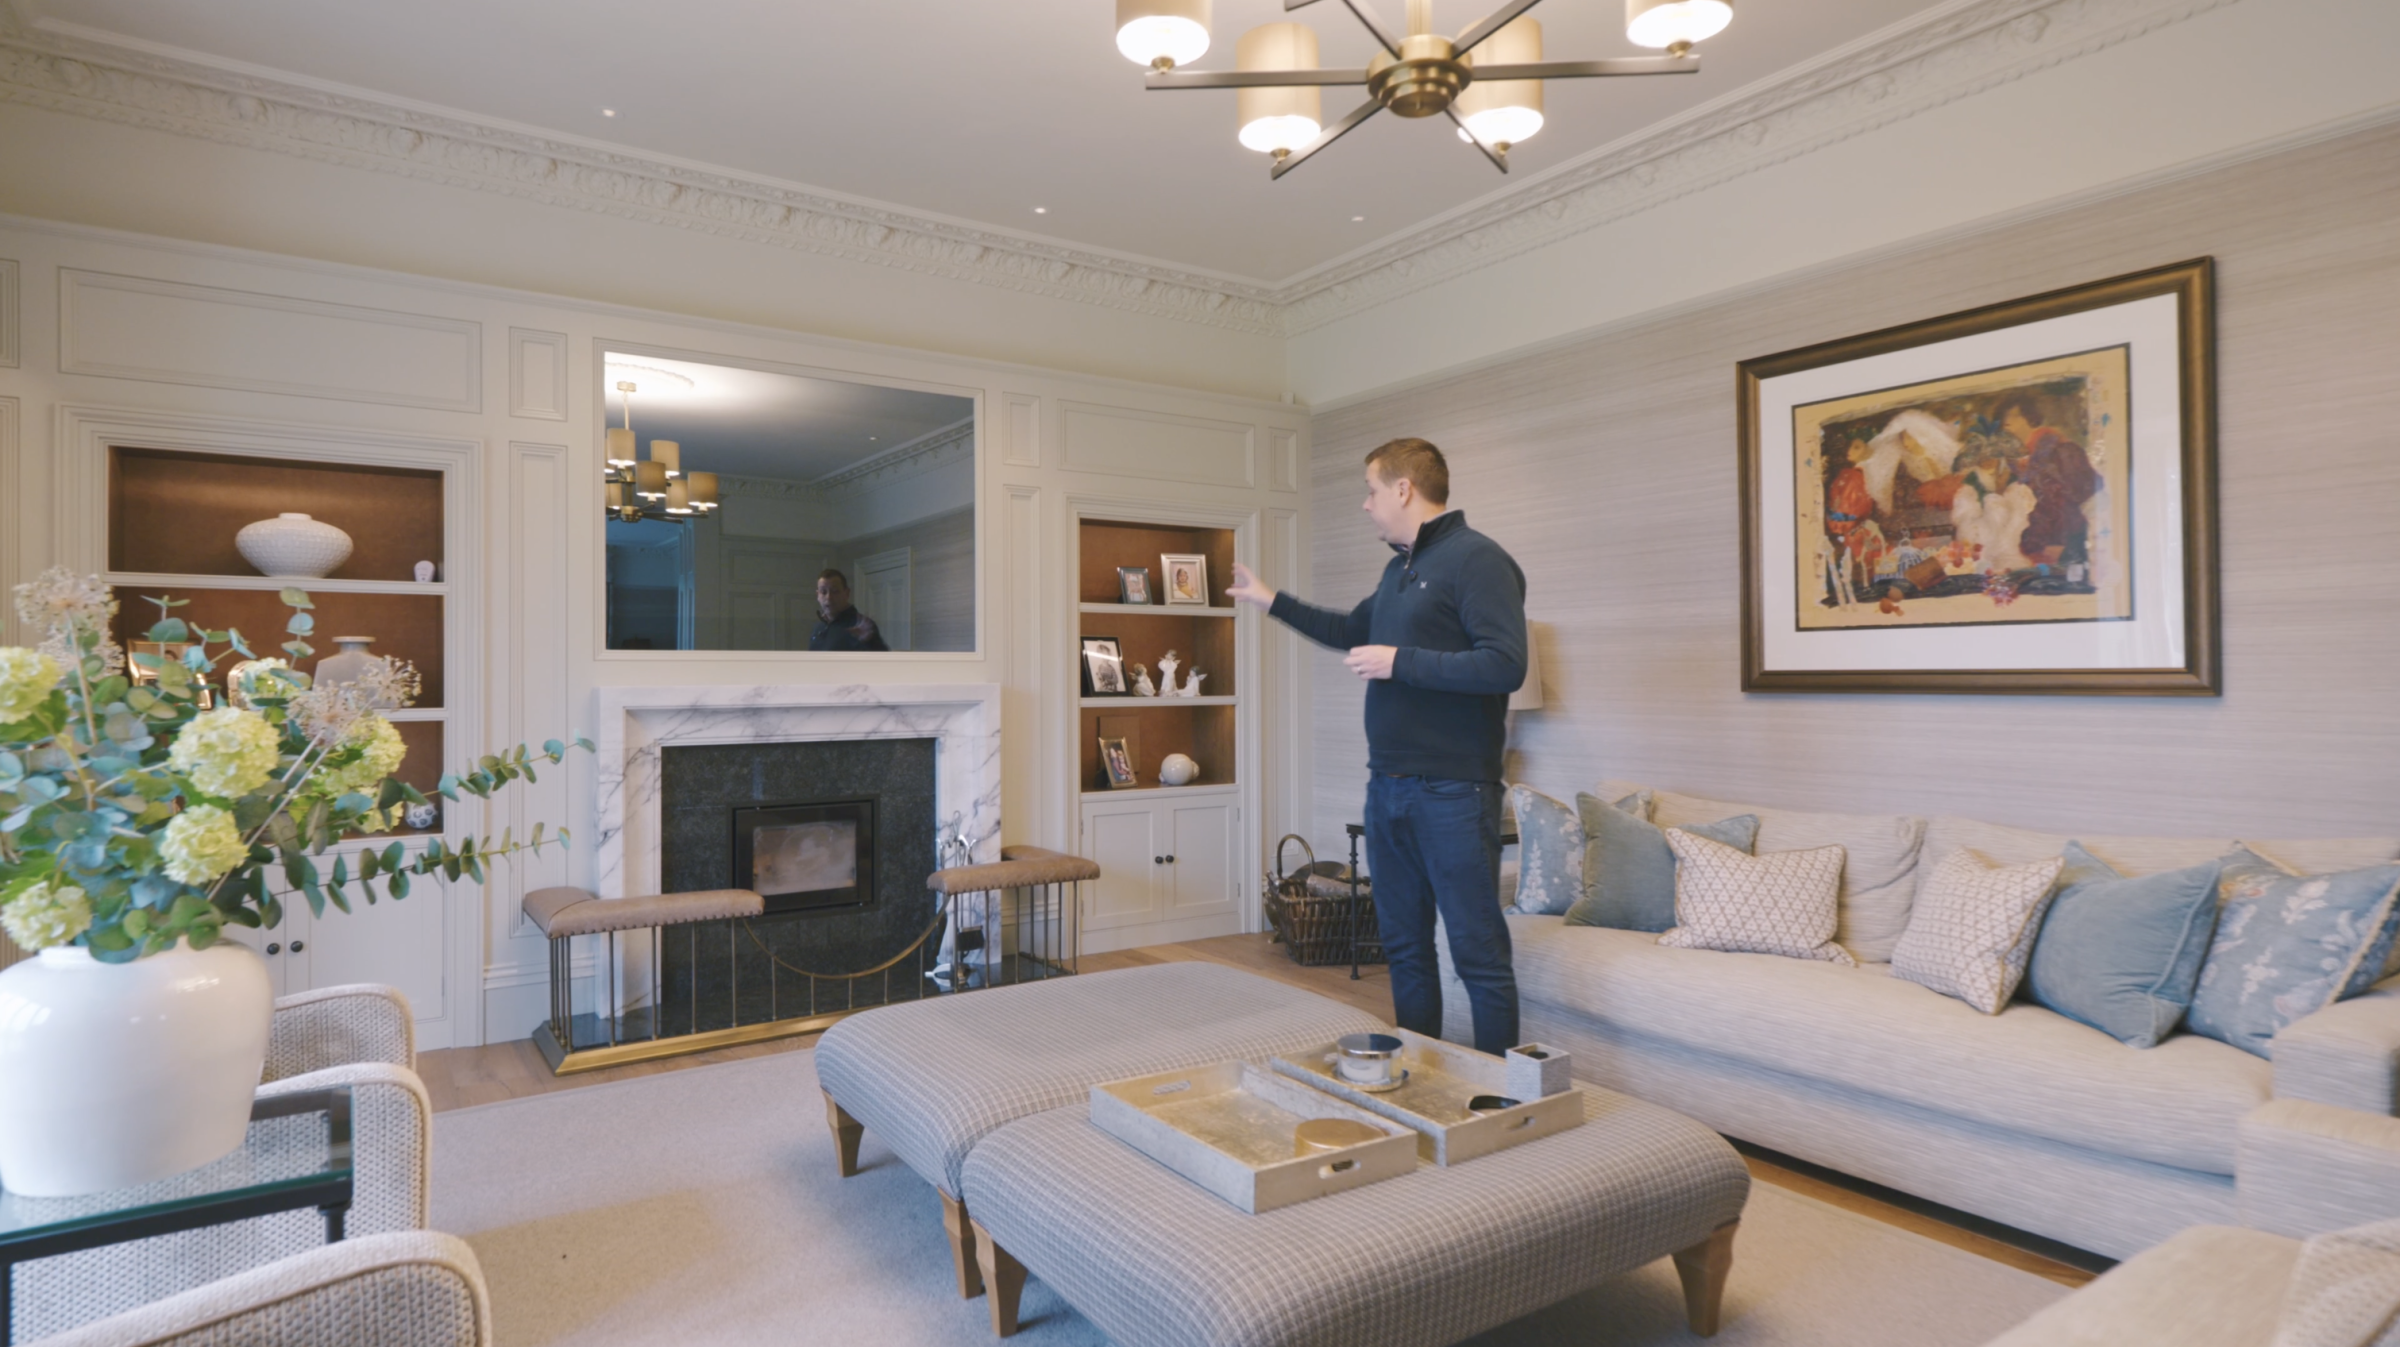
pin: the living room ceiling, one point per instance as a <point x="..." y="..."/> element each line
<point x="982" y="113"/>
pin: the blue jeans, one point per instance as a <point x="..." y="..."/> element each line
<point x="1433" y="845"/>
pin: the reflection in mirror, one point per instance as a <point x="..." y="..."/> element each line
<point x="750" y="510"/>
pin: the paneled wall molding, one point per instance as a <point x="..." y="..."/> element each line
<point x="11" y="297"/>
<point x="1946" y="53"/>
<point x="537" y="374"/>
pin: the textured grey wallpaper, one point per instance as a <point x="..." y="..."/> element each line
<point x="1607" y="468"/>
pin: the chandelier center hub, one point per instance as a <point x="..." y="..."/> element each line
<point x="1422" y="80"/>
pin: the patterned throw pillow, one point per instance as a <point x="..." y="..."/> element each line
<point x="1550" y="850"/>
<point x="2289" y="945"/>
<point x="1785" y="902"/>
<point x="2344" y="1290"/>
<point x="1973" y="927"/>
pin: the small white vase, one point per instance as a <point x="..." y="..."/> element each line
<point x="293" y="545"/>
<point x="118" y="1074"/>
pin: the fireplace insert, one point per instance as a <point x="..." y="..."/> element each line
<point x="811" y="856"/>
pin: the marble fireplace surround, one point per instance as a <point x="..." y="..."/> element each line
<point x="637" y="723"/>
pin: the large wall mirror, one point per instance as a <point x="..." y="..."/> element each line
<point x="754" y="510"/>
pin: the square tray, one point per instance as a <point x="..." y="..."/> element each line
<point x="1442" y="1077"/>
<point x="1228" y="1128"/>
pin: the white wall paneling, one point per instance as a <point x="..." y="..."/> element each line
<point x="1607" y="469"/>
<point x="1132" y="442"/>
<point x="537" y="374"/>
<point x="1024" y="430"/>
<point x="13" y="544"/>
<point x="1283" y="450"/>
<point x="1284" y="725"/>
<point x="10" y="280"/>
<point x="524" y="566"/>
<point x="135" y="327"/>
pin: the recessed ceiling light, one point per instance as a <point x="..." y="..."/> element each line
<point x="608" y="112"/>
<point x="1041" y="210"/>
<point x="1358" y="219"/>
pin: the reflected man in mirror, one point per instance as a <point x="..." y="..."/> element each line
<point x="1441" y="643"/>
<point x="840" y="626"/>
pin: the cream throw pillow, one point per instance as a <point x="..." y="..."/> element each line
<point x="1972" y="929"/>
<point x="1784" y="902"/>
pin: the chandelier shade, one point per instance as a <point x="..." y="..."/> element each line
<point x="679" y="497"/>
<point x="621" y="452"/>
<point x="1672" y="23"/>
<point x="1502" y="113"/>
<point x="1278" y="120"/>
<point x="670" y="454"/>
<point x="650" y="479"/>
<point x="703" y="486"/>
<point x="1162" y="34"/>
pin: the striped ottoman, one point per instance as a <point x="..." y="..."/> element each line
<point x="1432" y="1257"/>
<point x="931" y="1078"/>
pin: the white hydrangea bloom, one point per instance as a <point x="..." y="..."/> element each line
<point x="227" y="752"/>
<point x="200" y="844"/>
<point x="382" y="750"/>
<point x="26" y="677"/>
<point x="49" y="913"/>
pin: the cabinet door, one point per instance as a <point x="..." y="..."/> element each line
<point x="287" y="967"/>
<point x="1125" y="840"/>
<point x="400" y="944"/>
<point x="1204" y="869"/>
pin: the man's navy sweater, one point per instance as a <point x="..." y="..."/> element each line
<point x="1454" y="607"/>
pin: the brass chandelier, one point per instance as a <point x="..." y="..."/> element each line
<point x="1495" y="103"/>
<point x="655" y="487"/>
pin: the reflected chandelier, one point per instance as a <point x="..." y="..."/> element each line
<point x="1495" y="104"/>
<point x="655" y="487"/>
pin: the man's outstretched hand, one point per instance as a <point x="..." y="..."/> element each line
<point x="1247" y="589"/>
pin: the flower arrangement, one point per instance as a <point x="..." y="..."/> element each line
<point x="134" y="814"/>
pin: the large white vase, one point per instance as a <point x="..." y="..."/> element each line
<point x="118" y="1074"/>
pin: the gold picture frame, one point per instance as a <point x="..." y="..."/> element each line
<point x="1116" y="763"/>
<point x="2014" y="499"/>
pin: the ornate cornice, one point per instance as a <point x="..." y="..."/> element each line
<point x="80" y="75"/>
<point x="951" y="445"/>
<point x="1945" y="54"/>
<point x="1949" y="52"/>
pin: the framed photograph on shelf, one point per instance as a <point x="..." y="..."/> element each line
<point x="1116" y="763"/>
<point x="1186" y="577"/>
<point x="169" y="652"/>
<point x="1133" y="585"/>
<point x="1104" y="668"/>
<point x="2016" y="499"/>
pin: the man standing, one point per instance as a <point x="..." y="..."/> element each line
<point x="840" y="626"/>
<point x="1442" y="644"/>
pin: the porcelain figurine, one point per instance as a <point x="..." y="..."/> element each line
<point x="1168" y="663"/>
<point x="1142" y="686"/>
<point x="1191" y="684"/>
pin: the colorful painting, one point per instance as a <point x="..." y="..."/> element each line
<point x="1994" y="497"/>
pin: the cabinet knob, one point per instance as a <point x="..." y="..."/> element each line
<point x="297" y="946"/>
<point x="275" y="949"/>
<point x="1170" y="861"/>
<point x="1158" y="860"/>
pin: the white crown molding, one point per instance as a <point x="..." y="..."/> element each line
<point x="1945" y="54"/>
<point x="950" y="445"/>
<point x="1949" y="52"/>
<point x="111" y="79"/>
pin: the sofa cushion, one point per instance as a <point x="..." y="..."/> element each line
<point x="2026" y="1068"/>
<point x="1781" y="903"/>
<point x="1878" y="873"/>
<point x="2289" y="945"/>
<point x="1549" y="853"/>
<point x="2121" y="954"/>
<point x="1628" y="868"/>
<point x="1973" y="928"/>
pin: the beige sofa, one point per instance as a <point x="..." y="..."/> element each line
<point x="2025" y="1117"/>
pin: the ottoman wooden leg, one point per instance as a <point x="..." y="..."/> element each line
<point x="962" y="1246"/>
<point x="846" y="1132"/>
<point x="1004" y="1277"/>
<point x="1703" y="1267"/>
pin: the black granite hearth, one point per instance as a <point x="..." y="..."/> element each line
<point x="765" y="961"/>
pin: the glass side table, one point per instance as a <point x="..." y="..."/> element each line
<point x="296" y="1155"/>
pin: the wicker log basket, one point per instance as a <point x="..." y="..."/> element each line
<point x="1314" y="909"/>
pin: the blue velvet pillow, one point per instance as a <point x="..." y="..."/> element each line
<point x="2122" y="955"/>
<point x="2289" y="945"/>
<point x="1629" y="870"/>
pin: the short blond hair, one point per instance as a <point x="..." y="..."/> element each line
<point x="1418" y="461"/>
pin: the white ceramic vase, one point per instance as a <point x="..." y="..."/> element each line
<point x="1178" y="770"/>
<point x="118" y="1074"/>
<point x="293" y="545"/>
<point x="345" y="666"/>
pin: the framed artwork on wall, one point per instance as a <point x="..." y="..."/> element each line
<point x="1104" y="668"/>
<point x="2016" y="499"/>
<point x="1186" y="577"/>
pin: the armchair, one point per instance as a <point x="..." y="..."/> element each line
<point x="361" y="1036"/>
<point x="404" y="1289"/>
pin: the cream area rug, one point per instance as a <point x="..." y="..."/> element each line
<point x="702" y="1206"/>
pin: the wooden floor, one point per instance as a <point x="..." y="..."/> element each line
<point x="459" y="1077"/>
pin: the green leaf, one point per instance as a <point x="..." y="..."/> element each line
<point x="170" y="629"/>
<point x="399" y="884"/>
<point x="296" y="598"/>
<point x="301" y="624"/>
